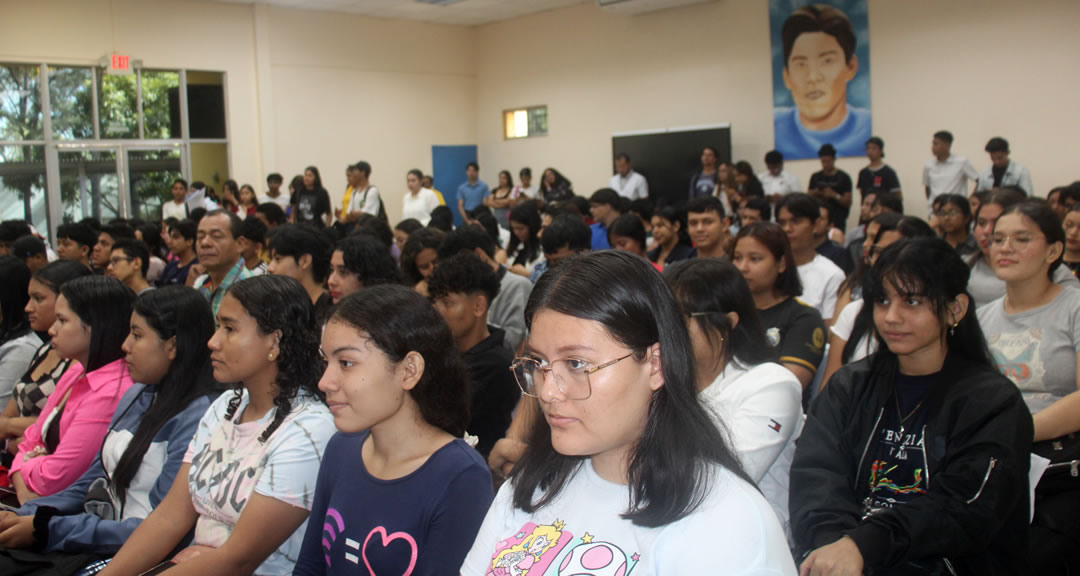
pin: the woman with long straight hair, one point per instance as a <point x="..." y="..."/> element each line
<point x="399" y="393"/>
<point x="33" y="387"/>
<point x="915" y="460"/>
<point x="166" y="354"/>
<point x="758" y="401"/>
<point x="92" y="316"/>
<point x="1034" y="334"/>
<point x="624" y="465"/>
<point x="248" y="477"/>
<point x="524" y="252"/>
<point x="18" y="342"/>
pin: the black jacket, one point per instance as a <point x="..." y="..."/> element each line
<point x="494" y="391"/>
<point x="976" y="444"/>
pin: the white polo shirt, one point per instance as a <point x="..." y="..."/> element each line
<point x="632" y="187"/>
<point x="1015" y="175"/>
<point x="782" y="184"/>
<point x="948" y="177"/>
<point x="821" y="280"/>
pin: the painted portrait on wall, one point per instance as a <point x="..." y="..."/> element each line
<point x="821" y="76"/>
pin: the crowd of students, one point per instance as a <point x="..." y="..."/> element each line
<point x="560" y="385"/>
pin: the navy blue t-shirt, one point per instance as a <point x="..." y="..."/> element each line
<point x="423" y="523"/>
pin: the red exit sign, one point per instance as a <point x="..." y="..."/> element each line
<point x="119" y="64"/>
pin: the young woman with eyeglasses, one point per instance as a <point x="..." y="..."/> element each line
<point x="1034" y="334"/>
<point x="954" y="218"/>
<point x="625" y="469"/>
<point x="915" y="460"/>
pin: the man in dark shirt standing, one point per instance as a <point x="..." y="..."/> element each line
<point x="832" y="186"/>
<point x="877" y="176"/>
<point x="462" y="287"/>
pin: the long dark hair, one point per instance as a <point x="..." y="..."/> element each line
<point x="172" y="312"/>
<point x="1042" y="215"/>
<point x="773" y="238"/>
<point x="676" y="215"/>
<point x="418" y="241"/>
<point x="715" y="286"/>
<point x="930" y="268"/>
<point x="13" y="298"/>
<point x="280" y="304"/>
<point x="670" y="468"/>
<point x="528" y="214"/>
<point x="753" y="186"/>
<point x="317" y="185"/>
<point x="909" y="227"/>
<point x="886" y="221"/>
<point x="399" y="320"/>
<point x="104" y="304"/>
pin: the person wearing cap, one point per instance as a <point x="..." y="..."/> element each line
<point x="31" y="250"/>
<point x="877" y="176"/>
<point x="832" y="187"/>
<point x="1002" y="170"/>
<point x="604" y="205"/>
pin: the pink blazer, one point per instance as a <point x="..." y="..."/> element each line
<point x="83" y="426"/>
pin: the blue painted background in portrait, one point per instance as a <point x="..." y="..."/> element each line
<point x="858" y="90"/>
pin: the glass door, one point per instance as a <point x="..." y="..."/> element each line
<point x="90" y="182"/>
<point x="150" y="174"/>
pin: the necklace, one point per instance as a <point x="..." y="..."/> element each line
<point x="903" y="418"/>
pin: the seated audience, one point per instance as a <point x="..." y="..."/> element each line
<point x="1071" y="225"/>
<point x="826" y="245"/>
<point x="600" y="477"/>
<point x="359" y="261"/>
<point x="754" y="209"/>
<point x="855" y="237"/>
<point x="75" y="241"/>
<point x="554" y="187"/>
<point x="984" y="285"/>
<point x="915" y="460"/>
<point x="954" y="218"/>
<point x="181" y="242"/>
<point x="129" y="263"/>
<point x="303" y="253"/>
<point x="567" y="235"/>
<point x="819" y="276"/>
<point x="10" y="231"/>
<point x="271" y="214"/>
<point x="793" y="328"/>
<point x="462" y="288"/>
<point x="885" y="202"/>
<point x="419" y="255"/>
<point x="523" y="252"/>
<point x="220" y="264"/>
<point x="397" y="389"/>
<point x="850" y="336"/>
<point x="247" y="481"/>
<point x="442" y="219"/>
<point x="402" y="231"/>
<point x="876" y="238"/>
<point x="150" y="234"/>
<point x="34" y="384"/>
<point x="627" y="233"/>
<point x="672" y="239"/>
<point x="153" y="425"/>
<point x="604" y="207"/>
<point x="92" y="316"/>
<point x="708" y="226"/>
<point x="755" y="399"/>
<point x="1034" y="335"/>
<point x="747" y="181"/>
<point x="252" y="242"/>
<point x="32" y="251"/>
<point x="18" y="341"/>
<point x="107" y="236"/>
<point x="507" y="307"/>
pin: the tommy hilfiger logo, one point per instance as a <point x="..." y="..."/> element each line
<point x="775" y="426"/>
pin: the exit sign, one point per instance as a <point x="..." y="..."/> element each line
<point x="119" y="64"/>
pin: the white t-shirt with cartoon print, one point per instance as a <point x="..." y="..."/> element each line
<point x="733" y="531"/>
<point x="228" y="463"/>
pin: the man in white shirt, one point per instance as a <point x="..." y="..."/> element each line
<point x="626" y="182"/>
<point x="946" y="173"/>
<point x="1002" y="170"/>
<point x="273" y="193"/>
<point x="176" y="208"/>
<point x="775" y="181"/>
<point x="365" y="197"/>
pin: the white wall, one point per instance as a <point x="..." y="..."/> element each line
<point x="979" y="68"/>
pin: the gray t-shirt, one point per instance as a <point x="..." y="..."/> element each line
<point x="984" y="286"/>
<point x="1037" y="348"/>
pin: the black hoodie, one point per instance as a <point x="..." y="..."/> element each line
<point x="494" y="391"/>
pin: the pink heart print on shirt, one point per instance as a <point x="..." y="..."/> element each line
<point x="386" y="540"/>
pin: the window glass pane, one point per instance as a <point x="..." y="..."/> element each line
<point x="161" y="104"/>
<point x="22" y="186"/>
<point x="525" y="122"/>
<point x="88" y="185"/>
<point x="538" y="121"/>
<point x="71" y="103"/>
<point x="151" y="174"/>
<point x="116" y="106"/>
<point x="20" y="103"/>
<point x="206" y="104"/>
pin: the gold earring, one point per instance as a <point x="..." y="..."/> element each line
<point x="952" y="330"/>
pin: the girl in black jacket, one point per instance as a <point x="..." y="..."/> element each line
<point x="915" y="460"/>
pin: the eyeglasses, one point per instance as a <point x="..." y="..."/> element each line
<point x="118" y="259"/>
<point x="947" y="213"/>
<point x="1019" y="241"/>
<point x="571" y="375"/>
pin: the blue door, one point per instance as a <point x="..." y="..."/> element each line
<point x="448" y="171"/>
